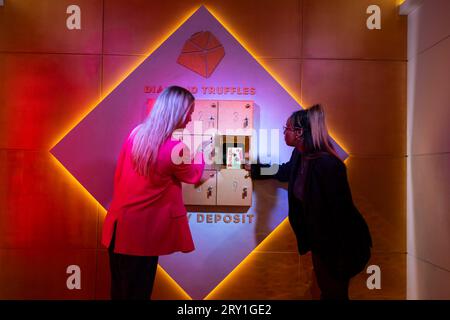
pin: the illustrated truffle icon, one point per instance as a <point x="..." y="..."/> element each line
<point x="202" y="53"/>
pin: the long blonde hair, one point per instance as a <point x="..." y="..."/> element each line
<point x="315" y="132"/>
<point x="168" y="113"/>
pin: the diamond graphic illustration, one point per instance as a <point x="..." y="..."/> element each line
<point x="202" y="53"/>
<point x="90" y="150"/>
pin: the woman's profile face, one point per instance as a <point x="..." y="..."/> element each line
<point x="289" y="134"/>
<point x="188" y="117"/>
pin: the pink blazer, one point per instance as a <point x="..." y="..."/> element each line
<point x="149" y="211"/>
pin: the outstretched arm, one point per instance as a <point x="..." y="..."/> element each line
<point x="282" y="174"/>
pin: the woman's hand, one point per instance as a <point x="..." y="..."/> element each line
<point x="247" y="165"/>
<point x="207" y="147"/>
<point x="204" y="145"/>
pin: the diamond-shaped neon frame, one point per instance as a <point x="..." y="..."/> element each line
<point x="126" y="74"/>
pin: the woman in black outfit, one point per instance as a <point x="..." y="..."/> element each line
<point x="321" y="210"/>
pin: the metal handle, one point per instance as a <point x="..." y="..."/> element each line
<point x="244" y="193"/>
<point x="209" y="192"/>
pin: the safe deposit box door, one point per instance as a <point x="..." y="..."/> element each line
<point x="234" y="188"/>
<point x="205" y="111"/>
<point x="205" y="194"/>
<point x="235" y="115"/>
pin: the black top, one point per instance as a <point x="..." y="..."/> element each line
<point x="321" y="209"/>
<point x="300" y="178"/>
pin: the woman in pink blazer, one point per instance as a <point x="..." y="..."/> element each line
<point x="147" y="217"/>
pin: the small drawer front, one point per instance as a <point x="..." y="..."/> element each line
<point x="204" y="194"/>
<point x="234" y="187"/>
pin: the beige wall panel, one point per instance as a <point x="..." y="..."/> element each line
<point x="44" y="96"/>
<point x="116" y="68"/>
<point x="430" y="105"/>
<point x="393" y="278"/>
<point x="427" y="281"/>
<point x="266" y="28"/>
<point x="365" y="103"/>
<point x="279" y="275"/>
<point x="41" y="274"/>
<point x="136" y="27"/>
<point x="41" y="205"/>
<point x="263" y="276"/>
<point x="379" y="189"/>
<point x="429" y="235"/>
<point x="40" y="26"/>
<point x="251" y="21"/>
<point x="428" y="25"/>
<point x="282" y="240"/>
<point x="337" y="29"/>
<point x="287" y="72"/>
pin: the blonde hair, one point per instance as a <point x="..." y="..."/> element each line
<point x="319" y="132"/>
<point x="168" y="113"/>
<point x="315" y="132"/>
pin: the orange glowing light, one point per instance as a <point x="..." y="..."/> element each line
<point x="174" y="284"/>
<point x="265" y="67"/>
<point x="244" y="261"/>
<point x="63" y="170"/>
<point x="298" y="100"/>
<point x="157" y="44"/>
<point x="121" y="79"/>
<point x="76" y="121"/>
<point x="247" y="48"/>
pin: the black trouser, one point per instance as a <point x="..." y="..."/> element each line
<point x="132" y="277"/>
<point x="331" y="287"/>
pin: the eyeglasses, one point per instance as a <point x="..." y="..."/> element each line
<point x="290" y="128"/>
